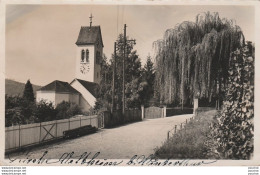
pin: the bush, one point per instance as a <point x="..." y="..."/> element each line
<point x="233" y="131"/>
<point x="21" y="111"/>
<point x="44" y="111"/>
<point x="13" y="116"/>
<point x="18" y="110"/>
<point x="67" y="110"/>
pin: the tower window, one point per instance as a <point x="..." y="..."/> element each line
<point x="87" y="55"/>
<point x="82" y="55"/>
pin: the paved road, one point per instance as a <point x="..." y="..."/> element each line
<point x="122" y="142"/>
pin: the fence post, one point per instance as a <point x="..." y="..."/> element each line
<point x="56" y="129"/>
<point x="195" y="105"/>
<point x="164" y="111"/>
<point x="142" y="108"/>
<point x="186" y="121"/>
<point x="175" y="129"/>
<point x="181" y="125"/>
<point x="168" y="135"/>
<point x="19" y="135"/>
<point x="40" y="132"/>
<point x="103" y="121"/>
<point x="69" y="124"/>
<point x="80" y="121"/>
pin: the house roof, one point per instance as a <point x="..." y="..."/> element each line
<point x="93" y="88"/>
<point x="59" y="86"/>
<point x="89" y="35"/>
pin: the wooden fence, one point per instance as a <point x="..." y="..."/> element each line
<point x="179" y="127"/>
<point x="178" y="111"/>
<point x="154" y="112"/>
<point x="117" y="118"/>
<point x="20" y="136"/>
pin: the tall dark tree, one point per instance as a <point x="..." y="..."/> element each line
<point x="148" y="76"/>
<point x="133" y="80"/>
<point x="28" y="92"/>
<point x="133" y="72"/>
<point x="192" y="59"/>
<point x="105" y="92"/>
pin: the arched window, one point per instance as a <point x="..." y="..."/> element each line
<point x="87" y="55"/>
<point x="82" y="55"/>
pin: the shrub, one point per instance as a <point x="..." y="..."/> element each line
<point x="12" y="101"/>
<point x="44" y="111"/>
<point x="67" y="110"/>
<point x="233" y="131"/>
<point x="18" y="110"/>
<point x="13" y="116"/>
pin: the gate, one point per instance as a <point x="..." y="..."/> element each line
<point x="153" y="112"/>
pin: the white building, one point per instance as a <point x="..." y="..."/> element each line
<point x="83" y="90"/>
<point x="58" y="91"/>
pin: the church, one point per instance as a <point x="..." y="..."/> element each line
<point x="83" y="90"/>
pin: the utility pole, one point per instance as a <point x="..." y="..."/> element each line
<point x="114" y="70"/>
<point x="123" y="97"/>
<point x="113" y="83"/>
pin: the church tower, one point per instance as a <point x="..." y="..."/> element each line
<point x="89" y="53"/>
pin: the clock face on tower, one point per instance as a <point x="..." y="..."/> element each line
<point x="84" y="68"/>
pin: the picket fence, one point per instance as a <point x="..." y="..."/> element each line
<point x="20" y="136"/>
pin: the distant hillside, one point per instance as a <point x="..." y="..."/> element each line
<point x="13" y="88"/>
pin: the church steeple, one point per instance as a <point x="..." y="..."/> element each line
<point x="89" y="53"/>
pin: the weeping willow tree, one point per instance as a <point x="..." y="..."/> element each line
<point x="192" y="59"/>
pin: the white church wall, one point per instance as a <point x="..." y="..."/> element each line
<point x="48" y="96"/>
<point x="56" y="98"/>
<point x="88" y="76"/>
<point x="84" y="92"/>
<point x="59" y="97"/>
<point x="74" y="98"/>
<point x="85" y="106"/>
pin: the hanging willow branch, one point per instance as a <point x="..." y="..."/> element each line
<point x="193" y="58"/>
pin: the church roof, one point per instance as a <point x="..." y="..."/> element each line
<point x="59" y="86"/>
<point x="89" y="35"/>
<point x="93" y="88"/>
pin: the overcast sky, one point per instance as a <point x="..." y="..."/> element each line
<point x="40" y="39"/>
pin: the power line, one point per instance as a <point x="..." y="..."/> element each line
<point x="137" y="35"/>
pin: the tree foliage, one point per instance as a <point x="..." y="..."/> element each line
<point x="135" y="84"/>
<point x="192" y="59"/>
<point x="148" y="77"/>
<point x="28" y="92"/>
<point x="18" y="110"/>
<point x="105" y="91"/>
<point x="233" y="131"/>
<point x="67" y="110"/>
<point x="44" y="111"/>
<point x="21" y="111"/>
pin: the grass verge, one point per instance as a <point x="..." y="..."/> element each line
<point x="188" y="143"/>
